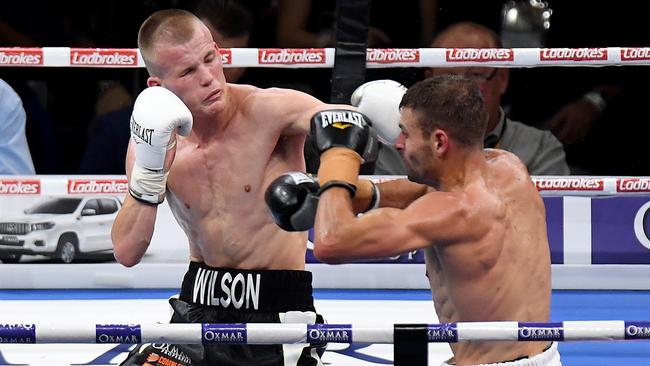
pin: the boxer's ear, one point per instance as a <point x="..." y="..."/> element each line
<point x="154" y="81"/>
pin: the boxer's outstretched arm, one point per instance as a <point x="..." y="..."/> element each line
<point x="290" y="109"/>
<point x="397" y="193"/>
<point x="438" y="218"/>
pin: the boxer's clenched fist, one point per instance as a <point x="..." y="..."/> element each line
<point x="158" y="114"/>
<point x="292" y="199"/>
<point x="379" y="100"/>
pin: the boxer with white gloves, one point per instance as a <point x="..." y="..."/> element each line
<point x="158" y="114"/>
<point x="234" y="143"/>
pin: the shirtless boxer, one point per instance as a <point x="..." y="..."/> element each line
<point x="211" y="148"/>
<point x="481" y="221"/>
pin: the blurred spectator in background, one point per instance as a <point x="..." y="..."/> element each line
<point x="230" y="24"/>
<point x="596" y="112"/>
<point x="14" y="151"/>
<point x="107" y="143"/>
<point x="309" y="23"/>
<point x="587" y="108"/>
<point x="539" y="150"/>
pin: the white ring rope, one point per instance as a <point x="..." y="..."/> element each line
<point x="546" y="185"/>
<point x="324" y="57"/>
<point x="258" y="333"/>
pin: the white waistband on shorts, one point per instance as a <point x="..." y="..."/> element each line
<point x="550" y="357"/>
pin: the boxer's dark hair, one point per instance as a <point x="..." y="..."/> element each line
<point x="451" y="103"/>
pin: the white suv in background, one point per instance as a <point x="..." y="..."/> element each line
<point x="60" y="227"/>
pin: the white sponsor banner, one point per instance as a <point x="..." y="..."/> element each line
<point x="42" y="213"/>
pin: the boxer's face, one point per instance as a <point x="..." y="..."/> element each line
<point x="193" y="71"/>
<point x="415" y="148"/>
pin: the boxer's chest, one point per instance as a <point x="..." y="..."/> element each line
<point x="226" y="173"/>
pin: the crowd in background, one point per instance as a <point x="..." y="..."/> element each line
<point x="68" y="108"/>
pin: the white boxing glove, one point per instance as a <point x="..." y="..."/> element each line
<point x="158" y="114"/>
<point x="379" y="100"/>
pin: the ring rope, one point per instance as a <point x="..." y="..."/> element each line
<point x="324" y="57"/>
<point x="547" y="185"/>
<point x="264" y="333"/>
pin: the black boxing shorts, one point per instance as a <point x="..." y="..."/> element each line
<point x="224" y="295"/>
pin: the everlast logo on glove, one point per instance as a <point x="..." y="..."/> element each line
<point x="344" y="128"/>
<point x="143" y="134"/>
<point x="341" y="119"/>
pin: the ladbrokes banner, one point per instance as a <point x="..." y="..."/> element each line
<point x="591" y="220"/>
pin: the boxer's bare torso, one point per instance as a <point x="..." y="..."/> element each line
<point x="217" y="182"/>
<point x="501" y="274"/>
<point x="485" y="243"/>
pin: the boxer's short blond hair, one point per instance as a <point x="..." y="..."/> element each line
<point x="164" y="27"/>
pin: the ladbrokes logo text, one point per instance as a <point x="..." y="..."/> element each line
<point x="570" y="184"/>
<point x="288" y="56"/>
<point x="392" y="55"/>
<point x="633" y="185"/>
<point x="573" y="54"/>
<point x="20" y="186"/>
<point x="226" y="56"/>
<point x="18" y="57"/>
<point x="103" y="57"/>
<point x="478" y="55"/>
<point x="107" y="186"/>
<point x="635" y="53"/>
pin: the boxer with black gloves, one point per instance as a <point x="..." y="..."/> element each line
<point x="347" y="139"/>
<point x="482" y="226"/>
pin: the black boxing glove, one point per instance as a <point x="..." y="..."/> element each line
<point x="344" y="128"/>
<point x="292" y="199"/>
<point x="344" y="138"/>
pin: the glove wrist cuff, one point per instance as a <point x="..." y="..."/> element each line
<point x="147" y="185"/>
<point x="352" y="189"/>
<point x="147" y="199"/>
<point x="376" y="197"/>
